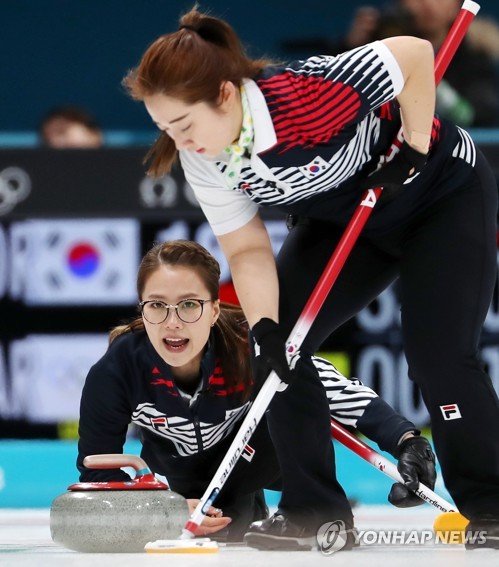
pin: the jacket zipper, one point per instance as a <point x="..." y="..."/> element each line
<point x="197" y="430"/>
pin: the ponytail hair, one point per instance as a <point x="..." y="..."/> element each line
<point x="133" y="326"/>
<point x="191" y="65"/>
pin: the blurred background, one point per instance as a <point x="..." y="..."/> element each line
<point x="78" y="50"/>
<point x="77" y="211"/>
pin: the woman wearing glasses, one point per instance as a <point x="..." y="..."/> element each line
<point x="181" y="373"/>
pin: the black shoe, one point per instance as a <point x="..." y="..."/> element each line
<point x="482" y="532"/>
<point x="280" y="533"/>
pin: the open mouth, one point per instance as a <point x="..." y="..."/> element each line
<point x="175" y="345"/>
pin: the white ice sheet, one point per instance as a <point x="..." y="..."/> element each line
<point x="25" y="542"/>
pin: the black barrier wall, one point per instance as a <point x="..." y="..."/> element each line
<point x="73" y="227"/>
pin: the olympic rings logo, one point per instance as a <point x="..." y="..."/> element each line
<point x="165" y="192"/>
<point x="162" y="192"/>
<point x="15" y="186"/>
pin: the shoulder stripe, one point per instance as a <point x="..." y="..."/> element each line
<point x="465" y="148"/>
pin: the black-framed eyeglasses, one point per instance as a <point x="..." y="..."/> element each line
<point x="188" y="310"/>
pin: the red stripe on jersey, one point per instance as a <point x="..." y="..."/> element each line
<point x="308" y="110"/>
<point x="435" y="131"/>
<point x="229" y="391"/>
<point x="385" y="111"/>
<point x="163" y="382"/>
<point x="218" y="386"/>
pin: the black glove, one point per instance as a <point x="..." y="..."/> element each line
<point x="416" y="463"/>
<point x="272" y="352"/>
<point x="396" y="172"/>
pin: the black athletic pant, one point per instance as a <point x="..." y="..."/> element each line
<point x="445" y="259"/>
<point x="299" y="423"/>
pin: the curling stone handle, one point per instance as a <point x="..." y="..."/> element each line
<point x="115" y="461"/>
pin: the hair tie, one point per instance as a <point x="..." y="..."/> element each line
<point x="187" y="27"/>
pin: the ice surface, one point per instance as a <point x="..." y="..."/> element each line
<point x="25" y="541"/>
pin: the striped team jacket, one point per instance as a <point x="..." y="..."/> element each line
<point x="185" y="437"/>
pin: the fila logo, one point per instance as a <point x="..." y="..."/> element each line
<point x="159" y="423"/>
<point x="451" y="411"/>
<point x="248" y="453"/>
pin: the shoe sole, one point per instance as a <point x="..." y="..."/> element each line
<point x="492" y="542"/>
<point x="488" y="530"/>
<point x="273" y="543"/>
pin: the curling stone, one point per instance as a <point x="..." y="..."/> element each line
<point x="117" y="517"/>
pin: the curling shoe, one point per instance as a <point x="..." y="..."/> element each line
<point x="279" y="533"/>
<point x="483" y="532"/>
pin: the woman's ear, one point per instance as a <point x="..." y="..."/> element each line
<point x="216" y="312"/>
<point x="228" y="92"/>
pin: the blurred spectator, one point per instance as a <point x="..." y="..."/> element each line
<point x="70" y="127"/>
<point x="469" y="93"/>
<point x="484" y="34"/>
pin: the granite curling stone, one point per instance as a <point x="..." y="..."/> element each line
<point x="117" y="517"/>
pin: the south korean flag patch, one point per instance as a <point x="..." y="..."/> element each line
<point x="314" y="168"/>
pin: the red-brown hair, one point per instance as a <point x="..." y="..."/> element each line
<point x="231" y="331"/>
<point x="191" y="65"/>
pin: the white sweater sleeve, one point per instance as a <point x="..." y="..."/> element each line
<point x="391" y="65"/>
<point x="225" y="209"/>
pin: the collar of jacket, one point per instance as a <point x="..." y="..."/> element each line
<point x="208" y="362"/>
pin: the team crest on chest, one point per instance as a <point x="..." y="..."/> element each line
<point x="314" y="168"/>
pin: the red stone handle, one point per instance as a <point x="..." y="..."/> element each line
<point x="144" y="478"/>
